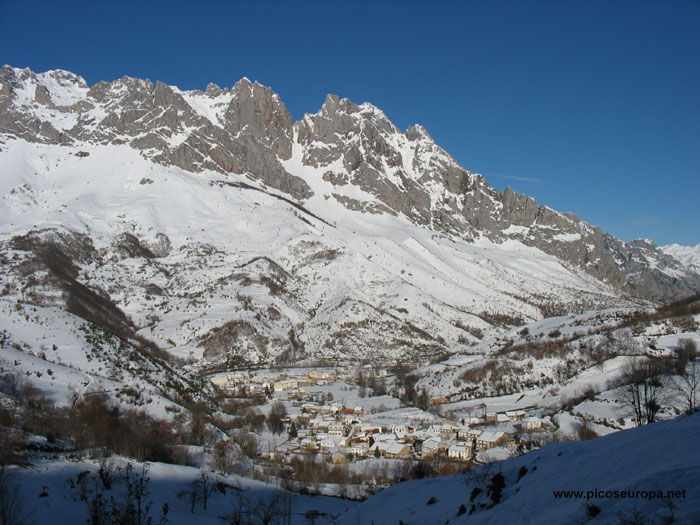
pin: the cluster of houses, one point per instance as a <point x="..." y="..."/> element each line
<point x="344" y="434"/>
<point x="317" y="424"/>
<point x="291" y="382"/>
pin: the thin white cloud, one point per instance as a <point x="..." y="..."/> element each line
<point x="521" y="179"/>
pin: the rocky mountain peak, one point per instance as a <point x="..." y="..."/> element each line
<point x="258" y="111"/>
<point x="334" y="107"/>
<point x="417" y="132"/>
<point x="63" y="78"/>
<point x="214" y="91"/>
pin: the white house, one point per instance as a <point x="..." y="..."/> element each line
<point x="281" y="386"/>
<point x="308" y="443"/>
<point x="336" y="429"/>
<point x="381" y="446"/>
<point x="429" y="447"/>
<point x="333" y="441"/>
<point x="397" y="450"/>
<point x="474" y="433"/>
<point x="515" y="415"/>
<point x="532" y="423"/>
<point x="448" y="431"/>
<point x="463" y="433"/>
<point x="460" y="451"/>
<point x="490" y="439"/>
<point x="359" y="449"/>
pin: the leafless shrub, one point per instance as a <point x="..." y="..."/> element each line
<point x="248" y="443"/>
<point x="585" y="432"/>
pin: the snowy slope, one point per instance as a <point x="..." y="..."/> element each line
<point x="181" y="254"/>
<point x="632" y="460"/>
<point x="545" y="362"/>
<point x="48" y="491"/>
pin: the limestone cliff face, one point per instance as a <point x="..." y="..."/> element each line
<point x="253" y="135"/>
<point x="412" y="176"/>
<point x="248" y="130"/>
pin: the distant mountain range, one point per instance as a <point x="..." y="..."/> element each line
<point x="689" y="256"/>
<point x="210" y="225"/>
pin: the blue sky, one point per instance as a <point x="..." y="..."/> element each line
<point x="590" y="107"/>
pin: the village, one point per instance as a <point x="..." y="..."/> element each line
<point x="330" y="412"/>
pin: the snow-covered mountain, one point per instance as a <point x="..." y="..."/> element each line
<point x="687" y="255"/>
<point x="211" y="225"/>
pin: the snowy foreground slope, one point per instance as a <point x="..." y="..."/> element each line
<point x="658" y="457"/>
<point x="49" y="492"/>
<point x="649" y="463"/>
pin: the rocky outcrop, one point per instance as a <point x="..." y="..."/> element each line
<point x="257" y="111"/>
<point x="256" y="132"/>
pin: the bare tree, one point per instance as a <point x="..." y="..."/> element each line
<point x="207" y="486"/>
<point x="107" y="470"/>
<point x="240" y="511"/>
<point x="269" y="508"/>
<point x="586" y="431"/>
<point x="686" y="387"/>
<point x="224" y="457"/>
<point x="138" y="504"/>
<point x="274" y="420"/>
<point x="266" y="509"/>
<point x="248" y="443"/>
<point x="192" y="494"/>
<point x="687" y="351"/>
<point x="642" y="389"/>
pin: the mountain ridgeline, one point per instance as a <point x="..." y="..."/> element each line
<point x="357" y="236"/>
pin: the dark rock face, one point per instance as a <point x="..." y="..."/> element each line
<point x="252" y="133"/>
<point x="258" y="111"/>
<point x="410" y="175"/>
<point x="256" y="132"/>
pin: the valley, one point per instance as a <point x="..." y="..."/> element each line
<point x="286" y="320"/>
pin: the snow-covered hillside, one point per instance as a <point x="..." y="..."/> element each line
<point x="648" y="463"/>
<point x="66" y="491"/>
<point x="551" y="362"/>
<point x="224" y="268"/>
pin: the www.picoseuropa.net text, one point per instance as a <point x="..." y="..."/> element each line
<point x="620" y="494"/>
